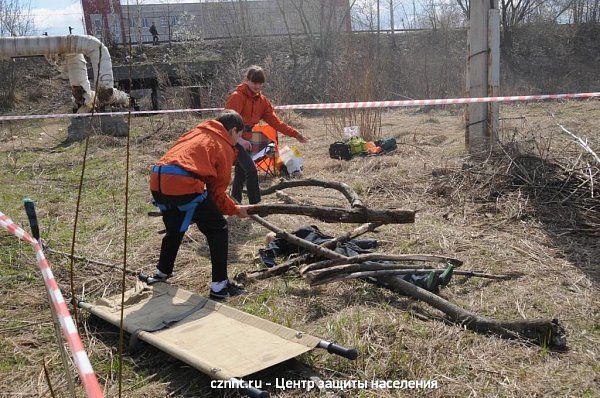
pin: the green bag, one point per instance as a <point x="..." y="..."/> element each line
<point x="358" y="146"/>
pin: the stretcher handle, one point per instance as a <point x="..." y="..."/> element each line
<point x="254" y="392"/>
<point x="32" y="217"/>
<point x="332" y="348"/>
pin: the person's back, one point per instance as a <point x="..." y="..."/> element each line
<point x="203" y="151"/>
<point x="188" y="185"/>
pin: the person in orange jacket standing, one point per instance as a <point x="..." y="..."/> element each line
<point x="188" y="185"/>
<point x="252" y="105"/>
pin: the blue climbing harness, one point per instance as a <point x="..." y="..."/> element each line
<point x="188" y="208"/>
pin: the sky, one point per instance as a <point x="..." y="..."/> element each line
<point x="56" y="16"/>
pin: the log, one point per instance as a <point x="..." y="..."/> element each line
<point x="355" y="201"/>
<point x="336" y="214"/>
<point x="284" y="267"/>
<point x="380" y="257"/>
<point x="545" y="332"/>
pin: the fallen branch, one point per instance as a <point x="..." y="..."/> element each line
<point x="335" y="214"/>
<point x="379" y="257"/>
<point x="284" y="267"/>
<point x="286" y="198"/>
<point x="91" y="261"/>
<point x="579" y="141"/>
<point x="545" y="332"/>
<point x="345" y="189"/>
<point x="280" y="233"/>
<point x="541" y="331"/>
<point x="344" y="272"/>
<point x="365" y="274"/>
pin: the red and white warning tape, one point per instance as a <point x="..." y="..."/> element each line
<point x="429" y="102"/>
<point x="82" y="362"/>
<point x="338" y="105"/>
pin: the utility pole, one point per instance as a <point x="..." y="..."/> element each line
<point x="378" y="26"/>
<point x="483" y="75"/>
<point x="391" y="3"/>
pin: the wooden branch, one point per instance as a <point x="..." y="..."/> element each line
<point x="91" y="261"/>
<point x="380" y="257"/>
<point x="541" y="331"/>
<point x="330" y="274"/>
<point x="545" y="332"/>
<point x="355" y="201"/>
<point x="280" y="233"/>
<point x="579" y="141"/>
<point x="317" y="279"/>
<point x="284" y="267"/>
<point x="285" y="198"/>
<point x="335" y="214"/>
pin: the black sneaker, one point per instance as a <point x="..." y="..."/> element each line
<point x="157" y="278"/>
<point x="230" y="290"/>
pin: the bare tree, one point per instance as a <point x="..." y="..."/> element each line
<point x="15" y="18"/>
<point x="512" y="14"/>
<point x="583" y="11"/>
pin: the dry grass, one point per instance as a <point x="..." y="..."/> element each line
<point x="509" y="230"/>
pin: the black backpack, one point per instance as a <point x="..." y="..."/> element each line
<point x="340" y="150"/>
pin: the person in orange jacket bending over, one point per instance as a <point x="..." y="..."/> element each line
<point x="188" y="184"/>
<point x="252" y="105"/>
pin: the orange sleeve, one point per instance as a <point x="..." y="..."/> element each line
<point x="217" y="184"/>
<point x="272" y="120"/>
<point x="226" y="205"/>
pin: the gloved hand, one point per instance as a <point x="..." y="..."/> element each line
<point x="244" y="210"/>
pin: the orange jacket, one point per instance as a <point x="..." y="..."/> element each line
<point x="207" y="151"/>
<point x="255" y="106"/>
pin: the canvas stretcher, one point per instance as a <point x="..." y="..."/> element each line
<point x="220" y="341"/>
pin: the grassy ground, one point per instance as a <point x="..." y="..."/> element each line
<point x="490" y="227"/>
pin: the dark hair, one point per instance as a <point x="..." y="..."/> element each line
<point x="230" y="119"/>
<point x="255" y="74"/>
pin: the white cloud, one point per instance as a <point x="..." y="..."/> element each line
<point x="57" y="21"/>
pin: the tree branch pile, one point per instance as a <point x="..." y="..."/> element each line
<point x="323" y="265"/>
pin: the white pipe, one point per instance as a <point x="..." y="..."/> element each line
<point x="77" y="70"/>
<point x="73" y="47"/>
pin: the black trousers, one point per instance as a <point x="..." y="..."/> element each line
<point x="245" y="173"/>
<point x="210" y="222"/>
